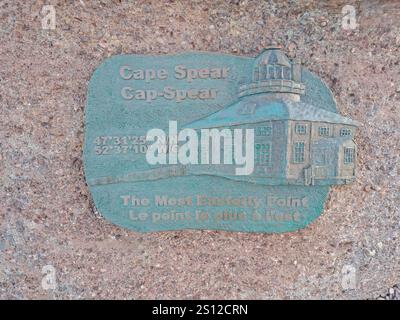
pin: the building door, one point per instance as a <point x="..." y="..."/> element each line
<point x="323" y="159"/>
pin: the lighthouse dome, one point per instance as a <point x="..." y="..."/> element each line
<point x="274" y="72"/>
<point x="272" y="56"/>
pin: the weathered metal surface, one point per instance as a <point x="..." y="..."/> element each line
<point x="300" y="146"/>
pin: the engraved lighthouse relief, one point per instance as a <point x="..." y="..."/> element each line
<point x="208" y="141"/>
<point x="295" y="142"/>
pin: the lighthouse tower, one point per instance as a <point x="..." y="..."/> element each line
<point x="275" y="74"/>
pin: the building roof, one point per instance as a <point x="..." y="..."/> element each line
<point x="259" y="108"/>
<point x="272" y="56"/>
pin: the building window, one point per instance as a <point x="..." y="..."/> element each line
<point x="298" y="152"/>
<point x="263" y="72"/>
<point x="278" y="72"/>
<point x="300" y="128"/>
<point x="344" y="132"/>
<point x="247" y="108"/>
<point x="287" y="73"/>
<point x="263" y="131"/>
<point x="323" y="131"/>
<point x="271" y="72"/>
<point x="348" y="155"/>
<point x="256" y="74"/>
<point x="263" y="153"/>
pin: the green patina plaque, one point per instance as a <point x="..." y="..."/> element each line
<point x="213" y="141"/>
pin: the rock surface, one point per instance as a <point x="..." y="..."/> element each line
<point x="49" y="224"/>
